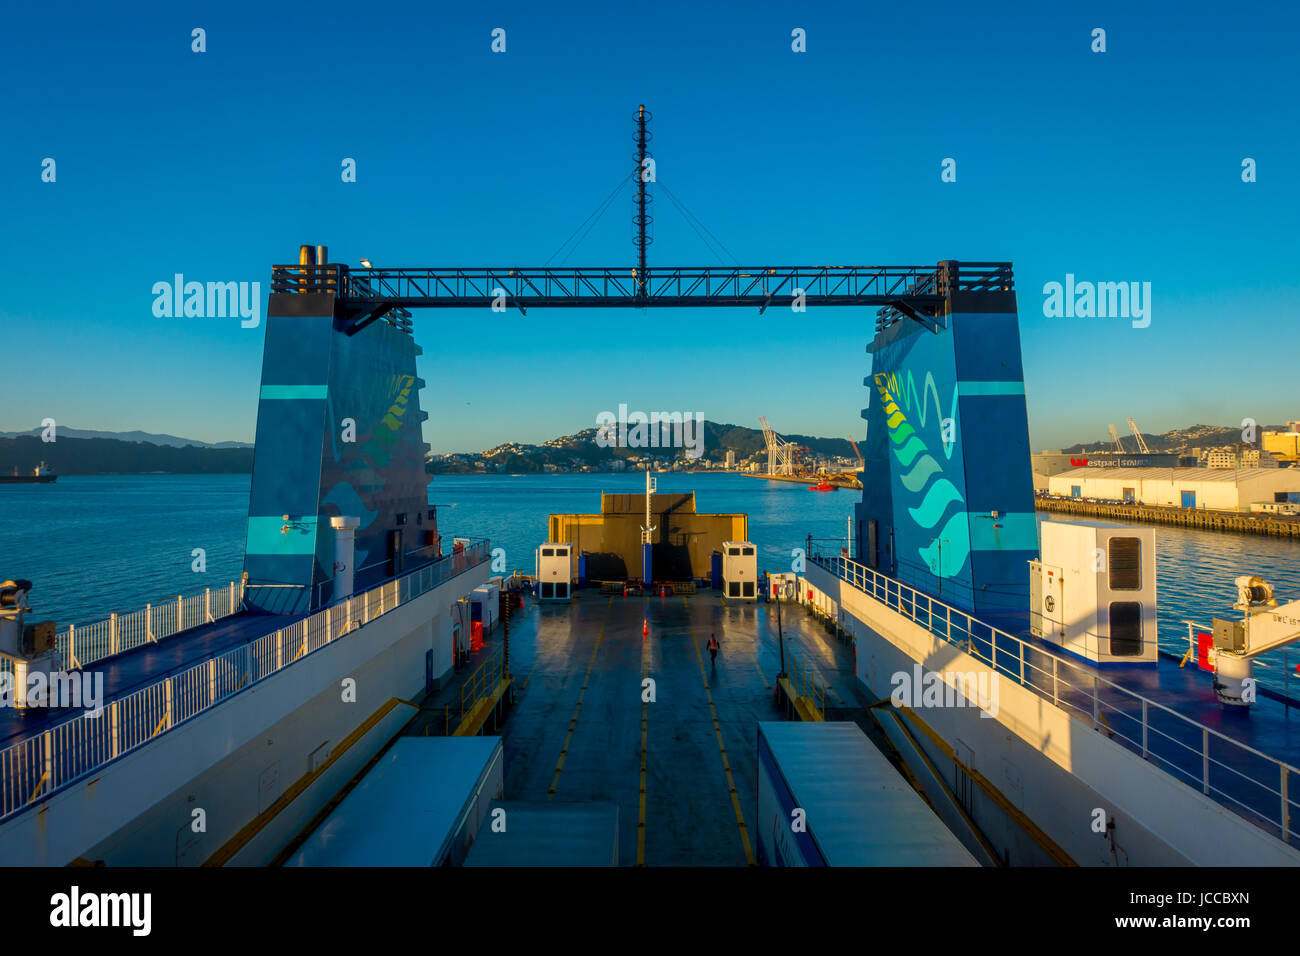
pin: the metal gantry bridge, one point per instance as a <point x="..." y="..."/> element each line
<point x="916" y="292"/>
<point x="369" y="294"/>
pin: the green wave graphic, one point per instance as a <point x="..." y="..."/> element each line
<point x="947" y="553"/>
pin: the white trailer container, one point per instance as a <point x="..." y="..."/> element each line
<point x="828" y="797"/>
<point x="485" y="606"/>
<point x="554" y="571"/>
<point x="1093" y="594"/>
<point x="739" y="570"/>
<point x="421" y="805"/>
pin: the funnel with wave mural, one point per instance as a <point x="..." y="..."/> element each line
<point x="947" y="500"/>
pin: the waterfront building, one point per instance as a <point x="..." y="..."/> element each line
<point x="1224" y="489"/>
<point x="1283" y="445"/>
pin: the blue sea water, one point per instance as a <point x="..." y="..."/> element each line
<point x="95" y="544"/>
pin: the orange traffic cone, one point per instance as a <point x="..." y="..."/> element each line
<point x="645" y="627"/>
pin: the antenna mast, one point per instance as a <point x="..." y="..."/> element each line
<point x="642" y="221"/>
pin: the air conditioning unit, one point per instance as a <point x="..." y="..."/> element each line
<point x="1093" y="594"/>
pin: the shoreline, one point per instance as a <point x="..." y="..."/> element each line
<point x="1198" y="519"/>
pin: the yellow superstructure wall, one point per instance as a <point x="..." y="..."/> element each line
<point x="683" y="540"/>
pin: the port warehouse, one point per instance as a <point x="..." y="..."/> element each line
<point x="1221" y="489"/>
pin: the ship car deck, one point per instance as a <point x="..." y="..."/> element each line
<point x="575" y="732"/>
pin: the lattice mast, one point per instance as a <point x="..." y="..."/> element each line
<point x="642" y="221"/>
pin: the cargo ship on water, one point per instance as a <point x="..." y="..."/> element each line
<point x="41" y="474"/>
<point x="943" y="690"/>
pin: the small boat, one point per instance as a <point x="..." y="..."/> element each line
<point x="824" y="486"/>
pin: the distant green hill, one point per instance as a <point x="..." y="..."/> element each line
<point x="111" y="456"/>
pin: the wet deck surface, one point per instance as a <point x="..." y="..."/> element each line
<point x="575" y="730"/>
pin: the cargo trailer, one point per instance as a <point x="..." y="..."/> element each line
<point x="523" y="833"/>
<point x="420" y="805"/>
<point x="828" y="797"/>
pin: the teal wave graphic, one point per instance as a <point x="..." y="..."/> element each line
<point x="923" y="471"/>
<point x="946" y="555"/>
<point x="907" y="454"/>
<point x="949" y="548"/>
<point x="936" y="501"/>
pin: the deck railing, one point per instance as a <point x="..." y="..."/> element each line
<point x="82" y="645"/>
<point x="87" y="643"/>
<point x="33" y="769"/>
<point x="1188" y="750"/>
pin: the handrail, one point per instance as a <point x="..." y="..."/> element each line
<point x="84" y="644"/>
<point x="482" y="682"/>
<point x="87" y="643"/>
<point x="1050" y="676"/>
<point x="33" y="769"/>
<point x="804" y="683"/>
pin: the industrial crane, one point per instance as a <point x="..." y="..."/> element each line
<point x="780" y="453"/>
<point x="1142" y="445"/>
<point x="1114" y="435"/>
<point x="862" y="465"/>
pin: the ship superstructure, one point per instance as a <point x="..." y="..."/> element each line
<point x="217" y="725"/>
<point x="1056" y="731"/>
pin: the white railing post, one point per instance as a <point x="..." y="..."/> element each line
<point x="212" y="681"/>
<point x="1286" y="808"/>
<point x="1022" y="660"/>
<point x="1055" y="661"/>
<point x="48" y="749"/>
<point x="1095" y="701"/>
<point x="148" y="622"/>
<point x="112" y="730"/>
<point x="1205" y="760"/>
<point x="180" y="614"/>
<point x="114" y="642"/>
<point x="72" y="642"/>
<point x="1144" y="728"/>
<point x="207" y="605"/>
<point x="230" y="605"/>
<point x="304" y="636"/>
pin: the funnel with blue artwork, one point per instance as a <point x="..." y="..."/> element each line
<point x="947" y="502"/>
<point x="338" y="434"/>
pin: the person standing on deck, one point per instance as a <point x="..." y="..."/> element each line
<point x="713" y="650"/>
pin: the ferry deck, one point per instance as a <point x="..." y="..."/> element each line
<point x="575" y="731"/>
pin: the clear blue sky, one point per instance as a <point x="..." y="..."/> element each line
<point x="1122" y="166"/>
